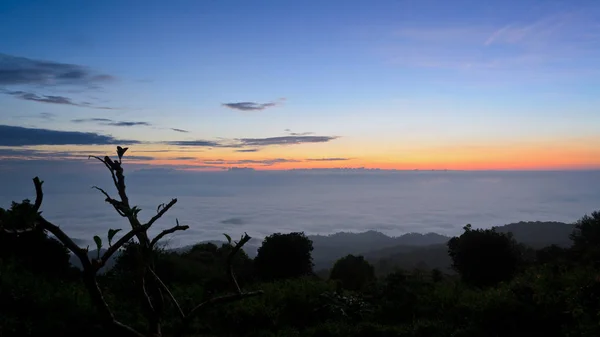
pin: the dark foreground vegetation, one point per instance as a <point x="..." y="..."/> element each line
<point x="497" y="286"/>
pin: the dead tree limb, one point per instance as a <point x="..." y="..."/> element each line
<point x="162" y="211"/>
<point x="167" y="232"/>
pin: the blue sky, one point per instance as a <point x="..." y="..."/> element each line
<point x="385" y="83"/>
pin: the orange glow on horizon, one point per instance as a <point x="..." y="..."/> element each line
<point x="577" y="154"/>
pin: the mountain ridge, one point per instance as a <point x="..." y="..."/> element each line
<point x="405" y="251"/>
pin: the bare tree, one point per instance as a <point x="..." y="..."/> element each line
<point x="151" y="287"/>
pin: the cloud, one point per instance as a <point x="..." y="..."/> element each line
<point x="129" y="124"/>
<point x="249" y="106"/>
<point x="42" y="115"/>
<point x="233" y="221"/>
<point x="106" y="121"/>
<point x="47" y="115"/>
<point x="184" y="158"/>
<point x="555" y="44"/>
<point x="27" y="96"/>
<point x="252" y="142"/>
<point x="327" y="159"/>
<point x="51" y="99"/>
<point x="285" y="140"/>
<point x="20" y="70"/>
<point x="289" y="132"/>
<point x="21" y="136"/>
<point x="263" y="162"/>
<point x="539" y="31"/>
<point x="35" y="154"/>
<point x="84" y="120"/>
<point x="145" y="158"/>
<point x="180" y="130"/>
<point x="199" y="143"/>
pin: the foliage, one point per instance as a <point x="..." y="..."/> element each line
<point x="283" y="256"/>
<point x="484" y="257"/>
<point x="354" y="272"/>
<point x="25" y="246"/>
<point x="586" y="236"/>
<point x="36" y="304"/>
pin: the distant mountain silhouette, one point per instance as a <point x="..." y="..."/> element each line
<point x="329" y="248"/>
<point x="538" y="234"/>
<point x="535" y="234"/>
<point x="408" y="251"/>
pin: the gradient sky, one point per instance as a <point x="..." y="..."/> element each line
<point x="303" y="84"/>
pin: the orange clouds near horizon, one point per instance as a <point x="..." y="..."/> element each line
<point x="541" y="154"/>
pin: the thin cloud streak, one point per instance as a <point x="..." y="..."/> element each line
<point x="551" y="43"/>
<point x="16" y="70"/>
<point x="285" y="140"/>
<point x="180" y="130"/>
<point x="198" y="143"/>
<point x="110" y="122"/>
<point x="51" y="99"/>
<point x="263" y="162"/>
<point x="254" y="142"/>
<point x="21" y="136"/>
<point x="327" y="159"/>
<point x="251" y="106"/>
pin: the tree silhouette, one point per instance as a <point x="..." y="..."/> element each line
<point x="354" y="272"/>
<point x="484" y="257"/>
<point x="150" y="287"/>
<point x="586" y="237"/>
<point x="284" y="256"/>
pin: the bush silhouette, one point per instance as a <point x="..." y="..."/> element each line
<point x="484" y="257"/>
<point x="283" y="256"/>
<point x="354" y="272"/>
<point x="23" y="246"/>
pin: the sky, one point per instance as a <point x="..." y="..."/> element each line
<point x="275" y="85"/>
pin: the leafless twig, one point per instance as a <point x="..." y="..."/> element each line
<point x="167" y="232"/>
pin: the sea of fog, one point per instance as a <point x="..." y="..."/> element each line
<point x="261" y="203"/>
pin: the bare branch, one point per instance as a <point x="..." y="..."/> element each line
<point x="66" y="240"/>
<point x="221" y="299"/>
<point x="162" y="212"/>
<point x="234" y="251"/>
<point x="146" y="296"/>
<point x="115" y="203"/>
<point x="39" y="195"/>
<point x="167" y="232"/>
<point x="117" y="245"/>
<point x="166" y="289"/>
<point x="112" y="172"/>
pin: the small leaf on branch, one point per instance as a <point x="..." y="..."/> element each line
<point x="228" y="238"/>
<point x="98" y="241"/>
<point x="121" y="151"/>
<point x="111" y="235"/>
